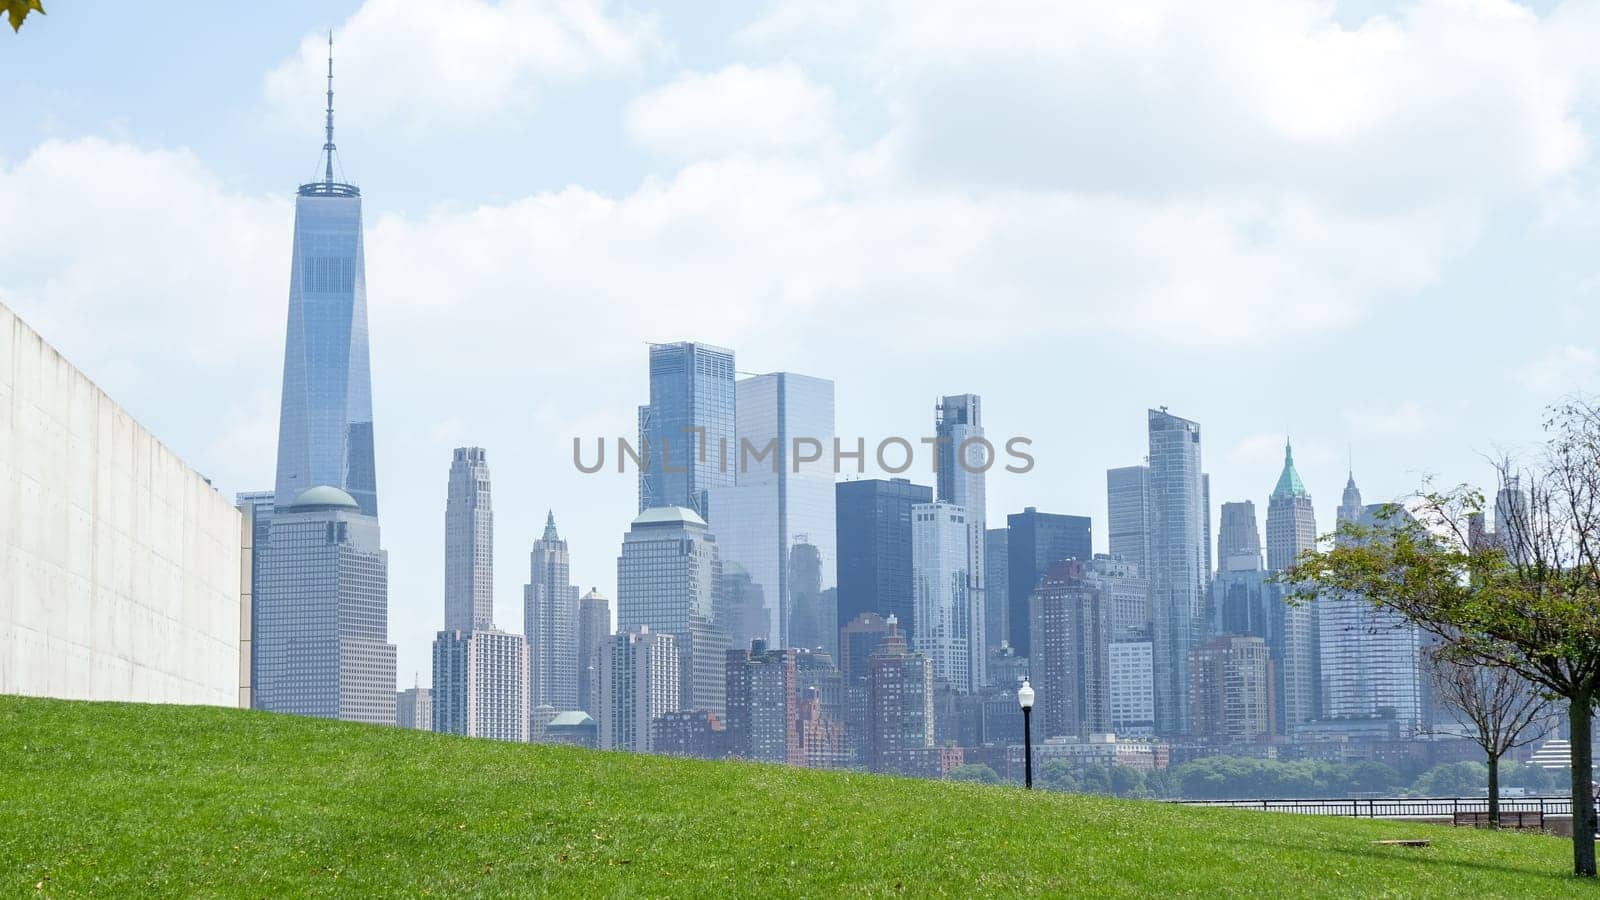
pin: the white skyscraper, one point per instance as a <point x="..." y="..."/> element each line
<point x="964" y="456"/>
<point x="550" y="621"/>
<point x="469" y="543"/>
<point x="1180" y="561"/>
<point x="668" y="576"/>
<point x="1292" y="530"/>
<point x="776" y="521"/>
<point x="943" y="629"/>
<point x="638" y="682"/>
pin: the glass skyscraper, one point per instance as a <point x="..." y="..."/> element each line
<point x="686" y="431"/>
<point x="963" y="459"/>
<point x="778" y="522"/>
<point x="1035" y="542"/>
<point x="325" y="426"/>
<point x="874" y="537"/>
<point x="1180" y="561"/>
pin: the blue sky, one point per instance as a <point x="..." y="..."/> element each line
<point x="1369" y="226"/>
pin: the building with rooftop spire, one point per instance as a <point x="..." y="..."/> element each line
<point x="1371" y="659"/>
<point x="325" y="423"/>
<point x="550" y="621"/>
<point x="1291" y="531"/>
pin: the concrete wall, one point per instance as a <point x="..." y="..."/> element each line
<point x="119" y="565"/>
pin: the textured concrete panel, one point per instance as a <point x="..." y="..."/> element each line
<point x="119" y="565"/>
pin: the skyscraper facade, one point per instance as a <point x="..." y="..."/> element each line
<point x="414" y="709"/>
<point x="996" y="591"/>
<point x="776" y="520"/>
<point x="1371" y="659"/>
<point x="946" y="625"/>
<point x="594" y="626"/>
<point x="1233" y="697"/>
<point x="1179" y="561"/>
<point x="638" y="683"/>
<point x="963" y="458"/>
<point x="550" y="620"/>
<point x="322" y="611"/>
<point x="900" y="706"/>
<point x="1070" y="622"/>
<point x="686" y="431"/>
<point x="874" y="537"/>
<point x="1128" y="514"/>
<point x="469" y="543"/>
<point x="1036" y="541"/>
<point x="325" y="424"/>
<point x="1291" y="531"/>
<point x="480" y="682"/>
<point x="761" y="685"/>
<point x="668" y="576"/>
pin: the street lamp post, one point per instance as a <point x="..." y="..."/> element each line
<point x="1025" y="700"/>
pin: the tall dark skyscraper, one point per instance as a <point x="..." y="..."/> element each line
<point x="325" y="427"/>
<point x="1036" y="541"/>
<point x="874" y="535"/>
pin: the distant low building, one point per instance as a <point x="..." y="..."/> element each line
<point x="699" y="733"/>
<point x="413" y="708"/>
<point x="1098" y="750"/>
<point x="574" y="727"/>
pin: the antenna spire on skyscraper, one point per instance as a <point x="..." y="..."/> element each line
<point x="327" y="148"/>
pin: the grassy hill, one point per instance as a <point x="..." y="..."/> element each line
<point x="116" y="799"/>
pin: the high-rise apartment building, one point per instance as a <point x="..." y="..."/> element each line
<point x="1070" y="626"/>
<point x="322" y="611"/>
<point x="874" y="537"/>
<point x="964" y="456"/>
<point x="1036" y="541"/>
<point x="1180" y="562"/>
<point x="996" y="592"/>
<point x="1232" y="687"/>
<point x="638" y="684"/>
<point x="594" y="626"/>
<point x="900" y="707"/>
<point x="776" y="519"/>
<point x="686" y="431"/>
<point x="550" y="620"/>
<point x="762" y="704"/>
<point x="668" y="577"/>
<point x="480" y="680"/>
<point x="947" y="625"/>
<point x="1132" y="692"/>
<point x="469" y="543"/>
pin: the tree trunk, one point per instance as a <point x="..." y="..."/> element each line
<point x="1579" y="714"/>
<point x="1494" y="790"/>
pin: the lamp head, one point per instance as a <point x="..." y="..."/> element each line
<point x="1025" y="695"/>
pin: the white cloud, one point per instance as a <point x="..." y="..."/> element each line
<point x="737" y="108"/>
<point x="417" y="63"/>
<point x="1562" y="370"/>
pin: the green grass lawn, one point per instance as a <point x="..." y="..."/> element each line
<point x="124" y="800"/>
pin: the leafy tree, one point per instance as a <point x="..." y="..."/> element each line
<point x="17" y="10"/>
<point x="1057" y="775"/>
<point x="1126" y="781"/>
<point x="1457" y="779"/>
<point x="976" y="772"/>
<point x="1528" y="602"/>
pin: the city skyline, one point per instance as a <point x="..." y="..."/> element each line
<point x="1395" y="439"/>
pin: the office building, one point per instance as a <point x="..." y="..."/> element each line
<point x="469" y="543"/>
<point x="550" y="620"/>
<point x="414" y="709"/>
<point x="686" y="431"/>
<point x="776" y="519"/>
<point x="594" y="626"/>
<point x="1128" y="515"/>
<point x="963" y="458"/>
<point x="1132" y="694"/>
<point x="322" y="610"/>
<point x="874" y="531"/>
<point x="947" y="621"/>
<point x="1035" y="541"/>
<point x="996" y="593"/>
<point x="1291" y="531"/>
<point x="698" y="733"/>
<point x="762" y="705"/>
<point x="900" y="707"/>
<point x="1233" y="697"/>
<point x="668" y="576"/>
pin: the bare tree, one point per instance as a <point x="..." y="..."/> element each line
<point x="1500" y="709"/>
